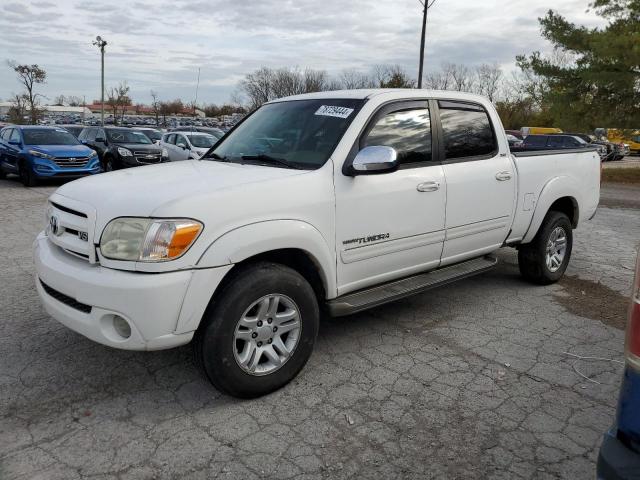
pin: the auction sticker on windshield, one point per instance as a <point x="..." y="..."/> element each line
<point x="333" y="111"/>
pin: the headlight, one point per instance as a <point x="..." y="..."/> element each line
<point x="165" y="152"/>
<point x="38" y="154"/>
<point x="125" y="152"/>
<point x="148" y="239"/>
<point x="92" y="154"/>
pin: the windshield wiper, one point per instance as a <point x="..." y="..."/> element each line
<point x="269" y="159"/>
<point x="215" y="156"/>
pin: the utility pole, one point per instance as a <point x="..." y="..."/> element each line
<point x="100" y="43"/>
<point x="425" y="9"/>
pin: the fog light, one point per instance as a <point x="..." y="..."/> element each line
<point x="121" y="326"/>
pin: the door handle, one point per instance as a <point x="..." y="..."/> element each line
<point x="502" y="176"/>
<point x="428" y="186"/>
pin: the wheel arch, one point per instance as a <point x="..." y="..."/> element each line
<point x="294" y="243"/>
<point x="560" y="194"/>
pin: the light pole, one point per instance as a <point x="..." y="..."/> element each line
<point x="101" y="43"/>
<point x="426" y="6"/>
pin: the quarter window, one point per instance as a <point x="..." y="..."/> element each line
<point x="15" y="135"/>
<point x="467" y="130"/>
<point x="407" y="131"/>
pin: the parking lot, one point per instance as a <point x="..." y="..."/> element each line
<point x="479" y="379"/>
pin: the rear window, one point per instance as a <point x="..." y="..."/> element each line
<point x="467" y="130"/>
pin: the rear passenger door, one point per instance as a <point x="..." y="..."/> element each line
<point x="480" y="178"/>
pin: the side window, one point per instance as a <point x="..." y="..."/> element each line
<point x="5" y="134"/>
<point x="556" y="141"/>
<point x="536" y="141"/>
<point x="83" y="134"/>
<point x="467" y="130"/>
<point x="100" y="133"/>
<point x="15" y="135"/>
<point x="407" y="131"/>
<point x="570" y="142"/>
<point x="171" y="139"/>
<point x="91" y="134"/>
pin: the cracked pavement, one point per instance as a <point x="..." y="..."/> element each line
<point x="467" y="381"/>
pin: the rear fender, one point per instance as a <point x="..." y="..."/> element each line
<point x="553" y="190"/>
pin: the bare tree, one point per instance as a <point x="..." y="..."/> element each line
<point x="123" y="98"/>
<point x="351" y="79"/>
<point x="461" y="77"/>
<point x="59" y="100"/>
<point x="488" y="80"/>
<point x="30" y="76"/>
<point x="113" y="103"/>
<point x="17" y="110"/>
<point x="258" y="87"/>
<point x="438" y="80"/>
<point x="155" y="105"/>
<point x="74" y="101"/>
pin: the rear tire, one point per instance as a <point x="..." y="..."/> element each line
<point x="235" y="344"/>
<point x="27" y="177"/>
<point x="545" y="259"/>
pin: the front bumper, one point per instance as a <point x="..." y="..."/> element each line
<point x="86" y="298"/>
<point x="616" y="461"/>
<point x="44" y="168"/>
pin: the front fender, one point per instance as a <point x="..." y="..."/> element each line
<point x="261" y="237"/>
<point x="553" y="190"/>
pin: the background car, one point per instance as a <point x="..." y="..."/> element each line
<point x="514" y="142"/>
<point x="73" y="129"/>
<point x="154" y="134"/>
<point x="187" y="145"/>
<point x="119" y="147"/>
<point x="619" y="457"/>
<point x="216" y="132"/>
<point x="559" y="141"/>
<point x="37" y="152"/>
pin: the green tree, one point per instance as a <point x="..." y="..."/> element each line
<point x="598" y="82"/>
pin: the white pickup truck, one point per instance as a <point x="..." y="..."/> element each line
<point x="334" y="202"/>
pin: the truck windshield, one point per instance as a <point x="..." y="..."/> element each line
<point x="299" y="133"/>
<point x="47" y="136"/>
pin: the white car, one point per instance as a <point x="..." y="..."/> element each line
<point x="337" y="201"/>
<point x="187" y="145"/>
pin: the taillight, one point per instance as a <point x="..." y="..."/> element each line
<point x="632" y="347"/>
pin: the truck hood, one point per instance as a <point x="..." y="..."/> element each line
<point x="143" y="190"/>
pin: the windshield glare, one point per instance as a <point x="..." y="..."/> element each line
<point x="43" y="136"/>
<point x="303" y="133"/>
<point x="127" y="136"/>
<point x="202" y="141"/>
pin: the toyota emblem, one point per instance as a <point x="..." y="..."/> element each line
<point x="53" y="225"/>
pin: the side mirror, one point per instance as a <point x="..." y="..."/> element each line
<point x="182" y="146"/>
<point x="375" y="159"/>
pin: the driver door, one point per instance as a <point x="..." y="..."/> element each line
<point x="391" y="225"/>
<point x="181" y="148"/>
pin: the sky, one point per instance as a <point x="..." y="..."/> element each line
<point x="160" y="44"/>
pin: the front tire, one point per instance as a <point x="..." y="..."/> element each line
<point x="545" y="259"/>
<point x="259" y="331"/>
<point x="27" y="177"/>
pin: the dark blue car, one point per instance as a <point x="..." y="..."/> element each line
<point x="619" y="457"/>
<point x="35" y="152"/>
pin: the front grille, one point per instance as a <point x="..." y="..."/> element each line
<point x="66" y="299"/>
<point x="71" y="162"/>
<point x="68" y="210"/>
<point x="147" y="157"/>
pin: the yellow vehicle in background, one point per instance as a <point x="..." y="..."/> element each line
<point x="632" y="139"/>
<point x="539" y="130"/>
